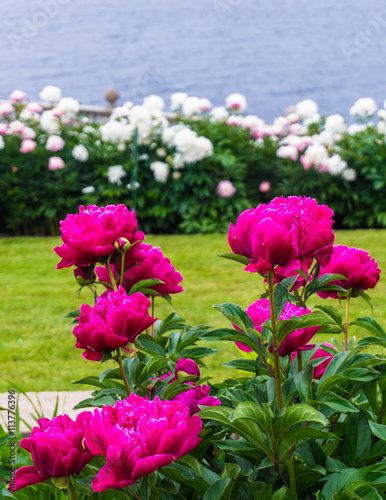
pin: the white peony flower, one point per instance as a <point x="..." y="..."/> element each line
<point x="178" y="161"/>
<point x="177" y="100"/>
<point x="80" y="153"/>
<point x="191" y="106"/>
<point x="382" y="114"/>
<point x="252" y="122"/>
<point x="335" y="123"/>
<point x="121" y="111"/>
<point x="50" y="93"/>
<point x="219" y="114"/>
<point x="205" y="105"/>
<point x="236" y="102"/>
<point x="316" y="154"/>
<point x="287" y="152"/>
<point x="55" y="143"/>
<point x="160" y="152"/>
<point x="115" y="173"/>
<point x="49" y="122"/>
<point x="236" y="120"/>
<point x="2" y="144"/>
<point x="88" y="190"/>
<point x="364" y="107"/>
<point x="160" y="171"/>
<point x="335" y="165"/>
<point x="306" y="109"/>
<point x="381" y="126"/>
<point x="349" y="174"/>
<point x="16" y="127"/>
<point x="154" y="102"/>
<point x="325" y="138"/>
<point x="116" y="132"/>
<point x="68" y="105"/>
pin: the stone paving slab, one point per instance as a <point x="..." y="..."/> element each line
<point x="67" y="401"/>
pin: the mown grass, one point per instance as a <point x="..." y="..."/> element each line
<point x="36" y="343"/>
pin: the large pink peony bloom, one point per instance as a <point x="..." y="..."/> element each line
<point x="288" y="232"/>
<point x="360" y="269"/>
<point x="138" y="436"/>
<point x="143" y="262"/>
<point x="259" y="312"/>
<point x="90" y="235"/>
<point x="114" y="321"/>
<point x="56" y="448"/>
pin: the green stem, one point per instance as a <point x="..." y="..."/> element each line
<point x="152" y="313"/>
<point x="276" y="363"/>
<point x="118" y="359"/>
<point x="347" y="321"/>
<point x="72" y="490"/>
<point x="276" y="358"/>
<point x="134" y="494"/>
<point x="122" y="266"/>
<point x="112" y="279"/>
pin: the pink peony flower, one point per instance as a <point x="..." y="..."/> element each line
<point x="89" y="236"/>
<point x="115" y="320"/>
<point x="360" y="269"/>
<point x="17" y="95"/>
<point x="320" y="353"/>
<point x="3" y="128"/>
<point x="56" y="448"/>
<point x="144" y="262"/>
<point x="138" y="436"/>
<point x="55" y="163"/>
<point x="28" y="133"/>
<point x="265" y="187"/>
<point x="27" y="146"/>
<point x="54" y="143"/>
<point x="226" y="189"/>
<point x="306" y="162"/>
<point x="197" y="395"/>
<point x="34" y="107"/>
<point x="259" y="312"/>
<point x="6" y="108"/>
<point x="264" y="235"/>
<point x="16" y="127"/>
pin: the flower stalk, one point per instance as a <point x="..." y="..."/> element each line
<point x="118" y="359"/>
<point x="111" y="276"/>
<point x="347" y="320"/>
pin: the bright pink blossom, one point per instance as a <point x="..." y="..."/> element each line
<point x="89" y="236"/>
<point x="143" y="262"/>
<point x="359" y="268"/>
<point x="137" y="436"/>
<point x="287" y="232"/>
<point x="187" y="367"/>
<point x="259" y="312"/>
<point x="55" y="163"/>
<point x="115" y="320"/>
<point x="17" y="95"/>
<point x="56" y="448"/>
<point x="27" y="146"/>
<point x="197" y="395"/>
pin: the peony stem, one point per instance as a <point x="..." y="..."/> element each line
<point x="118" y="359"/>
<point x="122" y="266"/>
<point x="72" y="490"/>
<point x="152" y="313"/>
<point x="134" y="494"/>
<point x="347" y="321"/>
<point x="112" y="279"/>
<point x="276" y="364"/>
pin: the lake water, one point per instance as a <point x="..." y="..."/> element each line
<point x="275" y="52"/>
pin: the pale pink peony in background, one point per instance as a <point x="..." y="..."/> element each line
<point x="265" y="187"/>
<point x="54" y="143"/>
<point x="17" y="95"/>
<point x="55" y="163"/>
<point x="226" y="189"/>
<point x="27" y="146"/>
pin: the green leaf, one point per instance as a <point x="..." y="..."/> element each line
<point x="366" y="298"/>
<point x="297" y="434"/>
<point x="303" y="382"/>
<point x="236" y="315"/>
<point x="337" y="403"/>
<point x="247" y="365"/>
<point x="130" y="367"/>
<point x="378" y="429"/>
<point x="357" y="441"/>
<point x="260" y="490"/>
<point x="370" y="325"/>
<point x="297" y="414"/>
<point x="185" y="476"/>
<point x="142" y="285"/>
<point x="218" y="489"/>
<point x="333" y="313"/>
<point x="284" y="494"/>
<point x="238" y="258"/>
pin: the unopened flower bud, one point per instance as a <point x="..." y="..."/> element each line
<point x="122" y="244"/>
<point x="187" y="367"/>
<point x="61" y="482"/>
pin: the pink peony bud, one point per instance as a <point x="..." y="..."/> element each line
<point x="122" y="244"/>
<point x="55" y="163"/>
<point x="187" y="367"/>
<point x="265" y="187"/>
<point x="27" y="146"/>
<point x="17" y="95"/>
<point x="225" y="189"/>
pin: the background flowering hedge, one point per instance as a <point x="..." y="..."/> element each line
<point x="193" y="175"/>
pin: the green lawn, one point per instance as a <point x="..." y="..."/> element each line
<point x="36" y="343"/>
